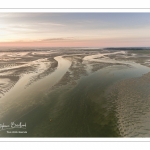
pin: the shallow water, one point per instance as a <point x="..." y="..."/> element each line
<point x="83" y="110"/>
<point x="22" y="96"/>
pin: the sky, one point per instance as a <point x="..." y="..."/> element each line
<point x="75" y="29"/>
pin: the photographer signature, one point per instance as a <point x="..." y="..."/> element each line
<point x="12" y="125"/>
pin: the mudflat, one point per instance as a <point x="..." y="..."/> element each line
<point x="75" y="92"/>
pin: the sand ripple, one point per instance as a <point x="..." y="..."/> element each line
<point x="132" y="100"/>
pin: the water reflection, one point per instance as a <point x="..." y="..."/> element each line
<point x="20" y="97"/>
<point x="110" y="102"/>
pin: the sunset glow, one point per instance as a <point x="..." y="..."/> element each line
<point x="75" y="29"/>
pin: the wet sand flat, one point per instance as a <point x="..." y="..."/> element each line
<point x="75" y="92"/>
